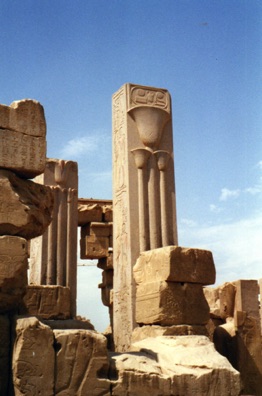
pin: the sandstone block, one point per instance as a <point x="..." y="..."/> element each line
<point x="23" y="154"/>
<point x="81" y="363"/>
<point x="69" y="324"/>
<point x="89" y="213"/>
<point x="98" y="229"/>
<point x="169" y="303"/>
<point x="246" y="298"/>
<point x="175" y="264"/>
<point x="25" y="206"/>
<point x="22" y="138"/>
<point x="191" y="363"/>
<point x="138" y="374"/>
<point x="24" y="116"/>
<point x="106" y="262"/>
<point x="33" y="358"/>
<point x="92" y="247"/>
<point x="5" y="331"/>
<point x="108" y="213"/>
<point x="227" y="293"/>
<point x="47" y="302"/>
<point x="140" y="333"/>
<point x="212" y="296"/>
<point x="13" y="271"/>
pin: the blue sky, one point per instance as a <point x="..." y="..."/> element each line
<point x="73" y="55"/>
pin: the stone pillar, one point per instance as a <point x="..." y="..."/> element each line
<point x="141" y="120"/>
<point x="54" y="255"/>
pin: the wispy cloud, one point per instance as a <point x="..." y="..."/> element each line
<point x="259" y="165"/>
<point x="236" y="247"/>
<point x="228" y="194"/>
<point x="214" y="208"/>
<point x="188" y="222"/>
<point x="78" y="146"/>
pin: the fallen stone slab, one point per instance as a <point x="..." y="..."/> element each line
<point x="81" y="363"/>
<point x="33" y="358"/>
<point x="164" y="366"/>
<point x="25" y="206"/>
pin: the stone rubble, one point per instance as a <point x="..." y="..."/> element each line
<point x="160" y="309"/>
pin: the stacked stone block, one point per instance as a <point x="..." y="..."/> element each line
<point x="170" y="290"/>
<point x="96" y="220"/>
<point x="25" y="209"/>
<point x="235" y="327"/>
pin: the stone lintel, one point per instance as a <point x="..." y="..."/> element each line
<point x="175" y="264"/>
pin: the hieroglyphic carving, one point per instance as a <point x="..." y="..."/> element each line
<point x="148" y="96"/>
<point x="22" y="153"/>
<point x="33" y="358"/>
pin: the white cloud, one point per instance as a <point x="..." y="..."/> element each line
<point x="259" y="165"/>
<point x="214" y="208"/>
<point x="79" y="146"/>
<point x="236" y="247"/>
<point x="188" y="222"/>
<point x="227" y="194"/>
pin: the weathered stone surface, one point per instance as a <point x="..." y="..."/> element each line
<point x="24" y="116"/>
<point x="106" y="262"/>
<point x="54" y="255"/>
<point x="138" y="373"/>
<point x="227" y="293"/>
<point x="246" y="298"/>
<point x="212" y="297"/>
<point x="33" y="358"/>
<point x="165" y="366"/>
<point x="175" y="264"/>
<point x="81" y="363"/>
<point x="25" y="206"/>
<point x="13" y="271"/>
<point x="23" y="154"/>
<point x="4" y="353"/>
<point x="249" y="355"/>
<point x="98" y="229"/>
<point x="108" y="213"/>
<point x="22" y="137"/>
<point x="106" y="286"/>
<point x="249" y="347"/>
<point x="47" y="302"/>
<point x="144" y="205"/>
<point x="92" y="247"/>
<point x="89" y="213"/>
<point x="69" y="324"/>
<point x="149" y="331"/>
<point x="169" y="303"/>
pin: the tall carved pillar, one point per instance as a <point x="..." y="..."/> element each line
<point x="143" y="191"/>
<point x="53" y="256"/>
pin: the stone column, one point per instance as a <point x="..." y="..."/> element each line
<point x="54" y="255"/>
<point x="141" y="120"/>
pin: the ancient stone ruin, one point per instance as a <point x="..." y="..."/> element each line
<point x="170" y="332"/>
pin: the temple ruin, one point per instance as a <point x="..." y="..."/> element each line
<point x="171" y="332"/>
